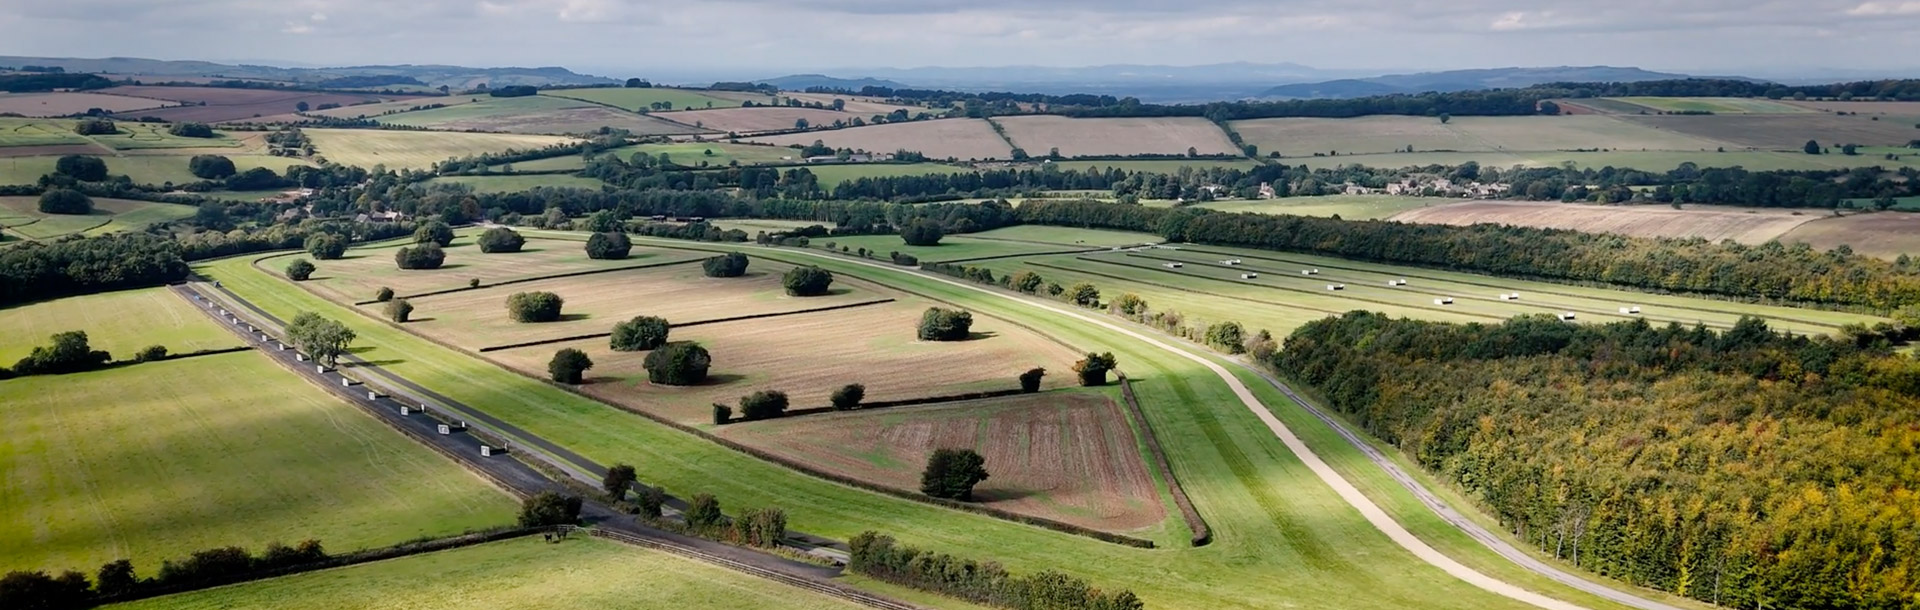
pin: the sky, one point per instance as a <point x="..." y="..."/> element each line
<point x="764" y="38"/>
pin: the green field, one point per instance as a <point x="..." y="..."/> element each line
<point x="831" y="175"/>
<point x="120" y="322"/>
<point x="1716" y="105"/>
<point x="484" y="109"/>
<point x="16" y="131"/>
<point x="514" y="184"/>
<point x="523" y="573"/>
<point x="637" y="99"/>
<point x="1641" y="160"/>
<point x="142" y="168"/>
<point x="132" y="136"/>
<point x="22" y="218"/>
<point x="154" y="461"/>
<point x="998" y="242"/>
<point x="1157" y="166"/>
<point x="1350" y="207"/>
<point x="1379" y="134"/>
<point x="415" y="149"/>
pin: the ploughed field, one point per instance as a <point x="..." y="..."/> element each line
<point x="758" y="119"/>
<point x="1068" y="456"/>
<point x="220" y="104"/>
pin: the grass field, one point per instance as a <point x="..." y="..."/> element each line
<point x="998" y="242"/>
<point x="960" y="139"/>
<point x="415" y="149"/>
<point x="1349" y="207"/>
<point x="1902" y="109"/>
<point x="533" y="115"/>
<point x="1885" y="234"/>
<point x="21" y="216"/>
<point x="524" y="573"/>
<point x="1716" y="105"/>
<point x="358" y="111"/>
<point x="119" y="322"/>
<point x="1039" y="134"/>
<point x="142" y="168"/>
<point x="515" y="184"/>
<point x="637" y="99"/>
<point x="365" y="269"/>
<point x="38" y="132"/>
<point x="1787" y="132"/>
<point x="1298" y="137"/>
<point x="1069" y="456"/>
<point x="154" y="461"/>
<point x="1713" y="223"/>
<point x="131" y="135"/>
<point x="759" y="119"/>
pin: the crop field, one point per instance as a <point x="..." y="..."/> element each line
<point x="533" y="115"/>
<point x="855" y="105"/>
<point x="120" y="322"/>
<point x="515" y="184"/>
<point x="1899" y="109"/>
<point x="142" y="168"/>
<point x="1131" y="136"/>
<point x="415" y="149"/>
<point x="135" y="462"/>
<point x="1158" y="166"/>
<point x="1349" y="207"/>
<point x="359" y="111"/>
<point x="1060" y="455"/>
<point x="692" y="154"/>
<point x="757" y="119"/>
<point x="365" y="269"/>
<point x="1648" y="160"/>
<point x="1885" y="234"/>
<point x="1777" y="132"/>
<point x="523" y="573"/>
<point x="1386" y="134"/>
<point x="638" y="99"/>
<point x="1716" y="105"/>
<point x="21" y="216"/>
<point x="961" y="139"/>
<point x="219" y="104"/>
<point x="135" y="136"/>
<point x="1713" y="223"/>
<point x="71" y="103"/>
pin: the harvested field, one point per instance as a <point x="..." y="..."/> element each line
<point x="1884" y="234"/>
<point x="810" y="355"/>
<point x="71" y="103"/>
<point x="964" y="139"/>
<point x="1065" y="456"/>
<point x="359" y="111"/>
<point x="741" y="96"/>
<point x="1389" y="134"/>
<point x="1658" y="160"/>
<point x="21" y="217"/>
<point x="752" y="120"/>
<point x="415" y="149"/>
<point x="533" y="114"/>
<point x="856" y="105"/>
<point x="217" y="104"/>
<point x="1600" y="105"/>
<point x="1713" y="223"/>
<point x="365" y="269"/>
<point x="1716" y="105"/>
<point x="119" y="322"/>
<point x="1904" y="109"/>
<point x="1103" y="137"/>
<point x="637" y="99"/>
<point x="1777" y="132"/>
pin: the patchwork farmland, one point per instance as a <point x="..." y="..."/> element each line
<point x="964" y="139"/>
<point x="365" y="269"/>
<point x="641" y="99"/>
<point x="415" y="149"/>
<point x="20" y="217"/>
<point x="220" y="104"/>
<point x="747" y="121"/>
<point x="692" y="154"/>
<point x="1712" y="223"/>
<point x="1115" y="137"/>
<point x="1786" y="132"/>
<point x="534" y="115"/>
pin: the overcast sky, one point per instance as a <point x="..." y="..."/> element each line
<point x="772" y="37"/>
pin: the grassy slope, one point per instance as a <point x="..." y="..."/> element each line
<point x="486" y="108"/>
<point x="415" y="149"/>
<point x="524" y="573"/>
<point x="154" y="461"/>
<point x="118" y="322"/>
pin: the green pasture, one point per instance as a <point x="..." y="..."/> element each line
<point x="1716" y="105"/>
<point x="21" y="216"/>
<point x="637" y="99"/>
<point x="998" y="242"/>
<point x="15" y="131"/>
<point x="121" y="323"/>
<point x="416" y="149"/>
<point x="486" y="108"/>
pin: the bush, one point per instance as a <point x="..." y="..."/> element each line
<point x="427" y="256"/>
<point x="1128" y="304"/>
<point x="326" y="246"/>
<point x="549" y="508"/>
<point x="1083" y="294"/>
<point x="65" y="201"/>
<point x="190" y="130"/>
<point x="939" y="324"/>
<point x="952" y="473"/>
<point x="848" y="397"/>
<point x="530" y="307"/>
<point x="703" y="512"/>
<point x="731" y="264"/>
<point x="95" y="127"/>
<point x="651" y="500"/>
<point x="762" y="528"/>
<point x="682" y="363"/>
<point x="385" y="294"/>
<point x="640" y="334"/>
<point x="905" y="260"/>
<point x="569" y="366"/>
<point x="151" y="353"/>
<point x="619" y="477"/>
<point x="499" y="240"/>
<point x="116" y="578"/>
<point x="609" y="246"/>
<point x="399" y="310"/>
<point x="922" y="232"/>
<point x="764" y="404"/>
<point x="81" y="167"/>
<point x="435" y="232"/>
<point x="807" y="281"/>
<point x="1093" y="369"/>
<point x="1227" y="337"/>
<point x="1027" y="282"/>
<point x="1262" y="346"/>
<point x="722" y="414"/>
<point x="211" y="167"/>
<point x="299" y="270"/>
<point x="473" y="283"/>
<point x="1030" y="380"/>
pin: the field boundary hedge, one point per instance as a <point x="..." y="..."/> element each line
<point x="435" y="293"/>
<point x="889" y="404"/>
<point x="1202" y="535"/>
<point x="756" y="316"/>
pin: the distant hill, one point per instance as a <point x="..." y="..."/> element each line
<point x="1463" y="80"/>
<point x="801" y="82"/>
<point x="456" y="77"/>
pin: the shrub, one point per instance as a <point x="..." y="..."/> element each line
<point x="1027" y="282"/>
<point x="385" y="294"/>
<point x="151" y="353"/>
<point x="1093" y="369"/>
<point x="722" y="414"/>
<point x="426" y="256"/>
<point x="939" y="324"/>
<point x="764" y="404"/>
<point x="1262" y="346"/>
<point x="81" y="167"/>
<point x="530" y="307"/>
<point x="952" y="473"/>
<point x="190" y="130"/>
<point x="807" y="281"/>
<point x="651" y="500"/>
<point x="1128" y="304"/>
<point x="848" y="397"/>
<point x="65" y="201"/>
<point x="640" y="334"/>
<point x="905" y="260"/>
<point x="609" y="246"/>
<point x="1030" y="380"/>
<point x="116" y="578"/>
<point x="500" y="240"/>
<point x="1083" y="294"/>
<point x="95" y="127"/>
<point x="473" y="283"/>
<point x="922" y="232"/>
<point x="434" y="232"/>
<point x="619" y="477"/>
<point x="300" y="269"/>
<point x="211" y="167"/>
<point x="399" y="310"/>
<point x="1228" y="337"/>
<point x="549" y="508"/>
<point x="326" y="246"/>
<point x="762" y="528"/>
<point x="731" y="264"/>
<point x="703" y="512"/>
<point x="682" y="363"/>
<point x="569" y="366"/>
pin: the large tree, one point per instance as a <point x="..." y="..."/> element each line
<point x="423" y="256"/>
<point x="731" y="264"/>
<point x="300" y="269"/>
<point x="939" y="324"/>
<point x="69" y="353"/>
<point x="1093" y="368"/>
<point x="211" y="167"/>
<point x="534" y="306"/>
<point x="501" y="240"/>
<point x="434" y="232"/>
<point x="682" y="363"/>
<point x="618" y="479"/>
<point x="922" y="232"/>
<point x="81" y="167"/>
<point x="639" y="334"/>
<point x="609" y="246"/>
<point x="952" y="473"/>
<point x="807" y="281"/>
<point x="65" y="201"/>
<point x="764" y="404"/>
<point x="569" y="366"/>
<point x="326" y="246"/>
<point x="549" y="508"/>
<point x="323" y="339"/>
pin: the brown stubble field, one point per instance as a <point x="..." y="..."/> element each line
<point x="856" y="105"/>
<point x="752" y="120"/>
<point x="71" y="103"/>
<point x="1104" y="137"/>
<point x="1714" y="223"/>
<point x="1882" y="234"/>
<point x="1785" y="132"/>
<point x="1904" y="109"/>
<point x="963" y="139"/>
<point x="1066" y="456"/>
<point x="218" y="104"/>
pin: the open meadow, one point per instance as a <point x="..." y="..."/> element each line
<point x="961" y="139"/>
<point x="415" y="149"/>
<point x="121" y="323"/>
<point x="524" y="573"/>
<point x="1039" y="134"/>
<point x="21" y="217"/>
<point x="639" y="99"/>
<point x="68" y="103"/>
<point x="365" y="269"/>
<point x="1884" y="234"/>
<point x="154" y="461"/>
<point x="157" y="169"/>
<point x="1299" y="137"/>
<point x="533" y="115"/>
<point x="1709" y="222"/>
<point x="1067" y="456"/>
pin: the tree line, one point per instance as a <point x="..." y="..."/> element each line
<point x="980" y="582"/>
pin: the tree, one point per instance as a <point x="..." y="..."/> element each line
<point x="1030" y="380"/>
<point x="299" y="270"/>
<point x="939" y="324"/>
<point x="211" y="167"/>
<point x="81" y="167"/>
<point x="151" y="353"/>
<point x="651" y="501"/>
<point x="191" y="130"/>
<point x="1812" y="147"/>
<point x="383" y="295"/>
<point x="300" y="106"/>
<point x="608" y="246"/>
<point x="640" y="334"/>
<point x="703" y="512"/>
<point x="807" y="281"/>
<point x="764" y="404"/>
<point x="1228" y="337"/>
<point x="499" y="240"/>
<point x="1093" y="369"/>
<point x="1084" y="295"/>
<point x="70" y="353"/>
<point x="922" y="232"/>
<point x="1027" y="282"/>
<point x="1445" y="118"/>
<point x="1128" y="304"/>
<point x="326" y="246"/>
<point x="619" y="478"/>
<point x="533" y="307"/>
<point x="65" y="201"/>
<point x="681" y="363"/>
<point x="255" y="179"/>
<point x="848" y="397"/>
<point x="1849" y="149"/>
<point x="434" y="232"/>
<point x="800" y="124"/>
<point x="95" y="127"/>
<point x="731" y="264"/>
<point x="323" y="339"/>
<point x="569" y="366"/>
<point x="36" y="590"/>
<point x="427" y="256"/>
<point x="212" y="215"/>
<point x="116" y="578"/>
<point x="722" y="414"/>
<point x="399" y="310"/>
<point x="549" y="508"/>
<point x="952" y="473"/>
